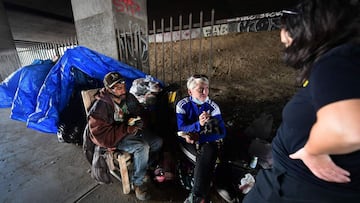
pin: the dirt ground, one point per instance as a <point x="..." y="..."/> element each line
<point x="248" y="76"/>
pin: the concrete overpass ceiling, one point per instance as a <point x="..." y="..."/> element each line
<point x="224" y="9"/>
<point x="52" y="20"/>
<point x="39" y="21"/>
<point x="60" y="9"/>
<point x="27" y="28"/>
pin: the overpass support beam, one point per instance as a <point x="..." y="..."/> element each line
<point x="116" y="28"/>
<point x="9" y="59"/>
<point x="94" y="23"/>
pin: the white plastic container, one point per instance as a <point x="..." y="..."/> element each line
<point x="253" y="162"/>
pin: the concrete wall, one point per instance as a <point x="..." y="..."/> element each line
<point x="9" y="60"/>
<point x="94" y="23"/>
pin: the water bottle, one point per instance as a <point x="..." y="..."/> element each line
<point x="253" y="162"/>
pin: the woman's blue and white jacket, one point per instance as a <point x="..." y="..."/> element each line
<point x="187" y="116"/>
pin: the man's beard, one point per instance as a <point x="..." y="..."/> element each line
<point x="122" y="96"/>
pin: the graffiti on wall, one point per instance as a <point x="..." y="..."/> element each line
<point x="175" y="35"/>
<point x="255" y="23"/>
<point x="265" y="24"/>
<point x="217" y="30"/>
<point x="134" y="47"/>
<point x="126" y="6"/>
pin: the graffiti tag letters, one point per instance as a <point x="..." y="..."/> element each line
<point x="127" y="6"/>
<point x="216" y="30"/>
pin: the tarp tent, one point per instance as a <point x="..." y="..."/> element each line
<point x="51" y="97"/>
<point x="10" y="90"/>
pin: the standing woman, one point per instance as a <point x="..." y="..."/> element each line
<point x="316" y="150"/>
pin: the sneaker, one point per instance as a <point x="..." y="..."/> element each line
<point x="141" y="192"/>
<point x="159" y="175"/>
<point x="194" y="199"/>
<point x="189" y="199"/>
<point x="147" y="178"/>
<point x="226" y="195"/>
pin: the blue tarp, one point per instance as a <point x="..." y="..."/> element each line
<point x="39" y="92"/>
<point x="31" y="77"/>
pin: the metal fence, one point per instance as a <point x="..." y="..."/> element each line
<point x="133" y="49"/>
<point x="45" y="50"/>
<point x="144" y="52"/>
<point x="176" y="52"/>
<point x="170" y="51"/>
<point x="179" y="51"/>
<point x="9" y="63"/>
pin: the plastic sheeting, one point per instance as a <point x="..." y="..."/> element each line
<point x="32" y="77"/>
<point x="55" y="91"/>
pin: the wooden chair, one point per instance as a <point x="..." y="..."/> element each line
<point x="117" y="161"/>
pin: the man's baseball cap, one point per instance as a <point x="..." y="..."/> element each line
<point x="113" y="78"/>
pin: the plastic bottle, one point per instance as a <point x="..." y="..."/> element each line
<point x="253" y="162"/>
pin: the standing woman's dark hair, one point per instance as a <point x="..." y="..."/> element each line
<point x="316" y="26"/>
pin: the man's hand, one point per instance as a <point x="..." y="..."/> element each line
<point x="135" y="121"/>
<point x="132" y="129"/>
<point x="322" y="166"/>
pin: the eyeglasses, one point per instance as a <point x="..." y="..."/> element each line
<point x="289" y="12"/>
<point x="200" y="76"/>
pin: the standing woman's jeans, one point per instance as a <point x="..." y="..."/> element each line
<point x="144" y="146"/>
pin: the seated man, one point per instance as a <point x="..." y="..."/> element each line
<point x="201" y="127"/>
<point x="111" y="125"/>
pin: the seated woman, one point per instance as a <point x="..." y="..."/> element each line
<point x="201" y="129"/>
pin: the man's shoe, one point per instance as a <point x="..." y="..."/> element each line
<point x="147" y="178"/>
<point x="141" y="192"/>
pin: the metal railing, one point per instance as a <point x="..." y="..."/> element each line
<point x="133" y="49"/>
<point x="169" y="53"/>
<point x="44" y="50"/>
<point x="9" y="63"/>
<point x="179" y="51"/>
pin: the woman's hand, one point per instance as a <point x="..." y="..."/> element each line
<point x="203" y="118"/>
<point x="189" y="140"/>
<point x="322" y="166"/>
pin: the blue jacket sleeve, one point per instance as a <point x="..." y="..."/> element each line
<point x="184" y="126"/>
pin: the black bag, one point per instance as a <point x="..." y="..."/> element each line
<point x="95" y="155"/>
<point x="88" y="145"/>
<point x="228" y="176"/>
<point x="99" y="169"/>
<point x="72" y="120"/>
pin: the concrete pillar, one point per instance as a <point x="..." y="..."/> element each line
<point x="9" y="59"/>
<point x="94" y="24"/>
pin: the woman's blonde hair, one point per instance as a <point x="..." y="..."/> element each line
<point x="195" y="80"/>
